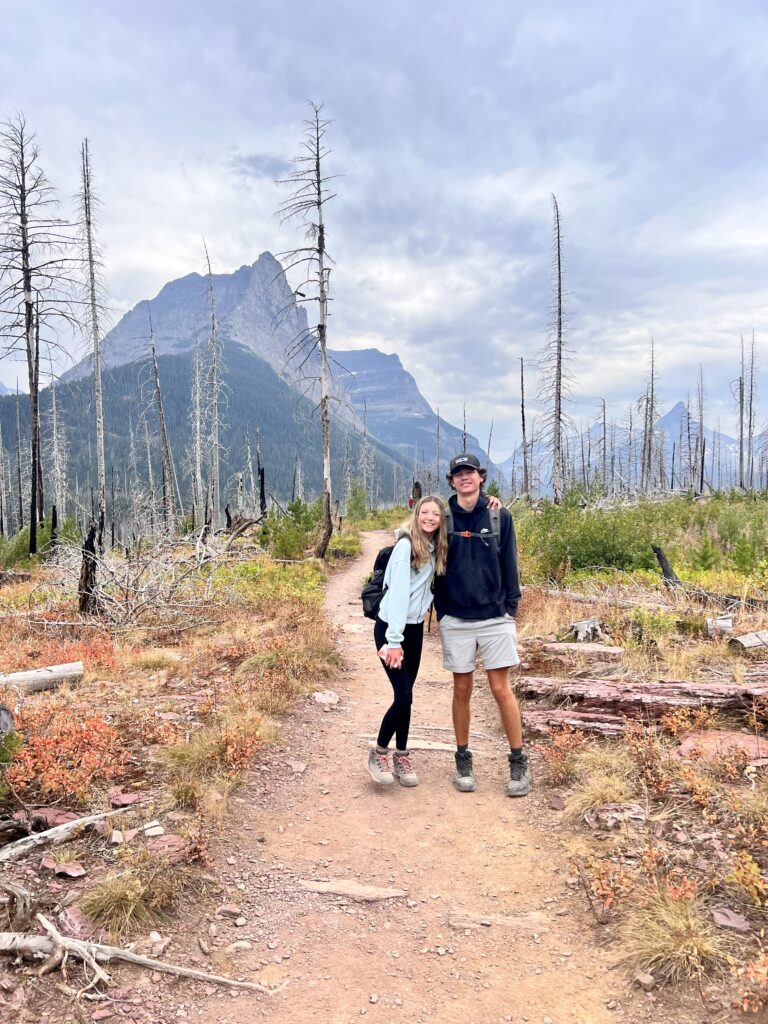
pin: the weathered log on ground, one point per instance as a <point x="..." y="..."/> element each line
<point x="750" y="641"/>
<point x="541" y="722"/>
<point x="586" y="630"/>
<point x="53" y="836"/>
<point x="49" y="678"/>
<point x="719" y="625"/>
<point x="601" y="652"/>
<point x="639" y="700"/>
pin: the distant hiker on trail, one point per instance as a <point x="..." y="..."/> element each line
<point x="476" y="603"/>
<point x="419" y="552"/>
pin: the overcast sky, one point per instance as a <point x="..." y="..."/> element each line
<point x="452" y="125"/>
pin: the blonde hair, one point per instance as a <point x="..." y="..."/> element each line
<point x="420" y="553"/>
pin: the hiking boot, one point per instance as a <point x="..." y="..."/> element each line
<point x="403" y="768"/>
<point x="380" y="767"/>
<point x="520" y="778"/>
<point x="464" y="779"/>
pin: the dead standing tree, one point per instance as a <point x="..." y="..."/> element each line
<point x="169" y="476"/>
<point x="554" y="379"/>
<point x="306" y="205"/>
<point x="93" y="306"/>
<point x="213" y="399"/>
<point x="36" y="261"/>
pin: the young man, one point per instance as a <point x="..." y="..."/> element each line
<point x="476" y="602"/>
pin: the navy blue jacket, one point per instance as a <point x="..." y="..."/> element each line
<point x="479" y="582"/>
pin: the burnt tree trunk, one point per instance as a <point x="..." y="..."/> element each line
<point x="668" y="574"/>
<point x="88" y="603"/>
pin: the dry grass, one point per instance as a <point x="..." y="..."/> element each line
<point x="674" y="939"/>
<point x="152" y="660"/>
<point x="752" y="805"/>
<point x="596" y="789"/>
<point x="541" y="614"/>
<point x="611" y="760"/>
<point x="140" y="894"/>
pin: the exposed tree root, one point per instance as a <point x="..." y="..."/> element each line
<point x="56" y="948"/>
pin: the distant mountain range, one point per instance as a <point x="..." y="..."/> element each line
<point x="268" y="388"/>
<point x="256" y="309"/>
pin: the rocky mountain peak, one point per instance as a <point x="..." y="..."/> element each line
<point x="254" y="307"/>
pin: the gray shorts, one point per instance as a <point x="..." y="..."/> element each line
<point x="496" y="640"/>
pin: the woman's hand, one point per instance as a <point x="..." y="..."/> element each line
<point x="392" y="656"/>
<point x="493" y="502"/>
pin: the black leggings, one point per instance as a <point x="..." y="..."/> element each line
<point x="397" y="720"/>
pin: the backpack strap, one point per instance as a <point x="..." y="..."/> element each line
<point x="494" y="513"/>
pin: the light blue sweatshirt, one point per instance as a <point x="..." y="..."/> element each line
<point x="407" y="597"/>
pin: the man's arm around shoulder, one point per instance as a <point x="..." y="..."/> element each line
<point x="508" y="559"/>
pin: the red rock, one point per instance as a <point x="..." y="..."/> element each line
<point x="70" y="869"/>
<point x="47" y="863"/>
<point x="103" y="1014"/>
<point x="52" y="816"/>
<point x="119" y="799"/>
<point x="72" y="921"/>
<point x="718" y="741"/>
<point x="172" y="847"/>
<point x="229" y="910"/>
<point x="725" y="918"/>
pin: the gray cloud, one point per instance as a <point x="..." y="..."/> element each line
<point x="452" y="125"/>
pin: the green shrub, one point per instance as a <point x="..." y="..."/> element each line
<point x="344" y="545"/>
<point x="706" y="556"/>
<point x="290" y="535"/>
<point x="14" y="551"/>
<point x="745" y="555"/>
<point x="356" y="505"/>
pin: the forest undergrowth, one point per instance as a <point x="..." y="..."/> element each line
<point x="668" y="826"/>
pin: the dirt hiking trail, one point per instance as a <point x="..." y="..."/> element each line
<point x="488" y="929"/>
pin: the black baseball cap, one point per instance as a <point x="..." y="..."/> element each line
<point x="464" y="461"/>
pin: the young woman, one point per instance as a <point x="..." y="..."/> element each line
<point x="419" y="552"/>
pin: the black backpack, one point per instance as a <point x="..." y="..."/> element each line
<point x="374" y="590"/>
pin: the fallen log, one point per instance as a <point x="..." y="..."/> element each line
<point x="37" y="679"/>
<point x="750" y="641"/>
<point x="8" y="576"/>
<point x="638" y="700"/>
<point x="541" y="722"/>
<point x="719" y="625"/>
<point x="599" y="651"/>
<point x="586" y="630"/>
<point x="54" y="836"/>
